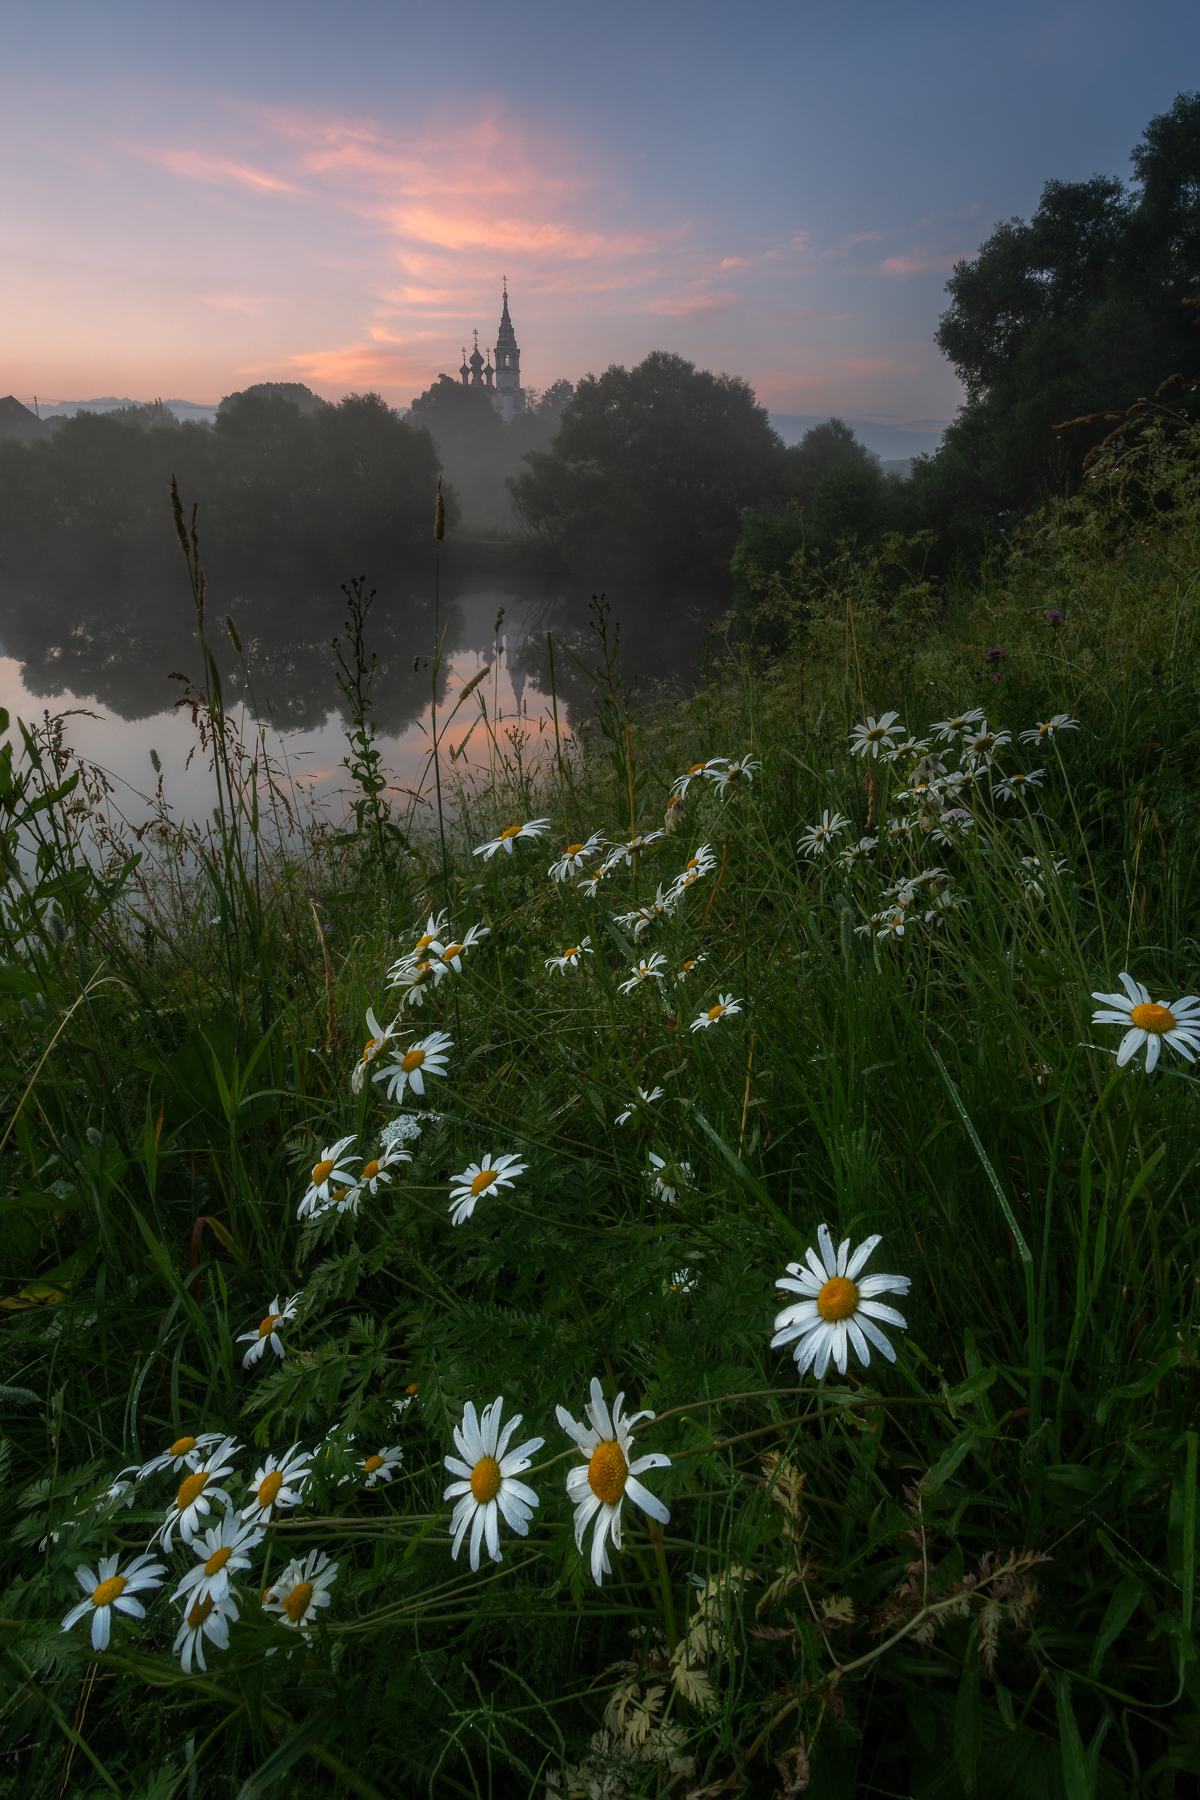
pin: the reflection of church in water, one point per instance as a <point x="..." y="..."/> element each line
<point x="503" y="381"/>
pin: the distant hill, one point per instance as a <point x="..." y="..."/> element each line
<point x="16" y="421"/>
<point x="202" y="410"/>
<point x="892" y="443"/>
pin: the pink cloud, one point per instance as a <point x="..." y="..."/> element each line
<point x="193" y="165"/>
<point x="920" y="262"/>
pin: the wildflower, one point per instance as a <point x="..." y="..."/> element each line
<point x="382" y="1466"/>
<point x="958" y="723"/>
<point x="204" y="1618"/>
<point x="267" y="1334"/>
<point x="401" y="1131"/>
<point x="574" y="856"/>
<point x="994" y="656"/>
<point x="649" y="970"/>
<point x="426" y="1057"/>
<point x="817" y="839"/>
<point x="376" y="1044"/>
<point x="278" y="1482"/>
<point x="345" y="1200"/>
<point x="642" y="917"/>
<point x="685" y="969"/>
<point x="591" y="887"/>
<point x="328" y="1171"/>
<point x="452" y="954"/>
<point x="899" y="828"/>
<point x="743" y="770"/>
<point x="697" y="867"/>
<point x="876" y="736"/>
<point x="435" y="930"/>
<point x="835" y="1308"/>
<point x="668" y="1177"/>
<point x="120" y="1489"/>
<point x="1054" y="617"/>
<point x="532" y="828"/>
<point x="855" y="855"/>
<point x="300" y="1590"/>
<point x="196" y="1492"/>
<point x="1049" y="728"/>
<point x="953" y="823"/>
<point x="1151" y="1022"/>
<point x="910" y="747"/>
<point x="488" y="1174"/>
<point x="106" y="1591"/>
<point x="712" y="769"/>
<point x="1014" y="785"/>
<point x="416" y="978"/>
<point x="981" y="746"/>
<point x="1036" y="866"/>
<point x="570" y="956"/>
<point x="644" y="1099"/>
<point x="726" y="1005"/>
<point x="598" y="1487"/>
<point x="376" y="1170"/>
<point x="623" y="854"/>
<point x="224" y="1550"/>
<point x="487" y="1481"/>
<point x="184" y="1453"/>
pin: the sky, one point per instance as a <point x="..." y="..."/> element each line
<point x="196" y="199"/>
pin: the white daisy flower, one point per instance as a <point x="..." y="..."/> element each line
<point x="876" y="737"/>
<point x="382" y="1465"/>
<point x="817" y="839"/>
<point x="948" y="729"/>
<point x="745" y="768"/>
<point x="651" y="969"/>
<point x="105" y="1592"/>
<point x="278" y="1482"/>
<point x="223" y="1550"/>
<point x="1040" y="866"/>
<point x="376" y="1044"/>
<point x="642" y="917"/>
<point x="622" y="855"/>
<point x="598" y="1487"/>
<point x="685" y="968"/>
<point x="267" y="1337"/>
<point x="668" y="1177"/>
<point x="532" y="828"/>
<point x="300" y="1590"/>
<point x="197" y="1491"/>
<point x="1016" y="785"/>
<point x="184" y="1453"/>
<point x="899" y="828"/>
<point x="982" y="745"/>
<point x="426" y="1057"/>
<point x="417" y="979"/>
<point x="855" y="856"/>
<point x="891" y="924"/>
<point x="644" y="1099"/>
<point x="1150" y="1022"/>
<point x="486" y="1176"/>
<point x="570" y="956"/>
<point x="430" y="938"/>
<point x="836" y="1309"/>
<point x="326" y="1175"/>
<point x="726" y="1006"/>
<point x="697" y="867"/>
<point x="910" y="747"/>
<point x="712" y="768"/>
<point x="204" y="1618"/>
<point x="451" y="955"/>
<point x="376" y="1170"/>
<point x="487" y="1487"/>
<point x="589" y="889"/>
<point x="574" y="856"/>
<point x="120" y="1489"/>
<point x="1049" y="728"/>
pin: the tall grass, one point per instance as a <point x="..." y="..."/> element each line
<point x="970" y="1572"/>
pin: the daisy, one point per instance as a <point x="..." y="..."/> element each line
<point x="278" y="1482"/>
<point x="591" y="887"/>
<point x="224" y="1550"/>
<point x="622" y="855"/>
<point x="855" y="855"/>
<point x="642" y="917"/>
<point x="891" y="924"/>
<point x="899" y="828"/>
<point x="435" y="929"/>
<point x="685" y="969"/>
<point x="836" y="1310"/>
<point x="947" y="729"/>
<point x="487" y="1481"/>
<point x="106" y="1591"/>
<point x="643" y="1099"/>
<point x="376" y="1170"/>
<point x="910" y="747"/>
<point x="184" y="1453"/>
<point x="668" y="1177"/>
<point x="196" y="1494"/>
<point x="300" y="1590"/>
<point x="487" y="1175"/>
<point x="712" y="769"/>
<point x="120" y="1489"/>
<point x="204" y="1618"/>
<point x="875" y="736"/>
<point x="426" y="1057"/>
<point x="1014" y="785"/>
<point x="726" y="1004"/>
<point x="382" y="1466"/>
<point x="1151" y="1022"/>
<point x="697" y="867"/>
<point x="376" y="1044"/>
<point x="1049" y="728"/>
<point x="532" y="828"/>
<point x="570" y="956"/>
<point x="817" y="839"/>
<point x="982" y="745"/>
<point x="416" y="978"/>
<point x="574" y="856"/>
<point x="1036" y="866"/>
<point x="328" y="1171"/>
<point x="598" y="1487"/>
<point x="649" y="970"/>
<point x="743" y="770"/>
<point x="267" y="1334"/>
<point x="452" y="954"/>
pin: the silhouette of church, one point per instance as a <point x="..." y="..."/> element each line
<point x="503" y="381"/>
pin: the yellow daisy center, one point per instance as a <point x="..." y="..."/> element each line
<point x="450" y="952"/>
<point x="483" y="1180"/>
<point x="412" y="1060"/>
<point x="838" y="1299"/>
<point x="1153" y="1018"/>
<point x="296" y="1603"/>
<point x="573" y="849"/>
<point x="608" y="1472"/>
<point x="200" y="1611"/>
<point x="217" y="1560"/>
<point x="485" y="1479"/>
<point x="268" y="1324"/>
<point x="714" y="1012"/>
<point x="270" y="1487"/>
<point x="573" y="951"/>
<point x="181" y="1446"/>
<point x="108" y="1591"/>
<point x="510" y="831"/>
<point x="696" y="769"/>
<point x="370" y="1171"/>
<point x="339" y="1194"/>
<point x="423" y="943"/>
<point x="372" y="1463"/>
<point x="323" y="1171"/>
<point x="191" y="1489"/>
<point x="412" y="1387"/>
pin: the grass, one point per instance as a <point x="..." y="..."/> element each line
<point x="967" y="1572"/>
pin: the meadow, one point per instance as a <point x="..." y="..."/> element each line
<point x="429" y="1416"/>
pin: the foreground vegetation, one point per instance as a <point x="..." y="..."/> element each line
<point x="806" y="966"/>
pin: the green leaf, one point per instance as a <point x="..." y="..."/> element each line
<point x="1120" y="1610"/>
<point x="1074" y="1762"/>
<point x="947" y="1462"/>
<point x="1137" y="1390"/>
<point x="968" y="1719"/>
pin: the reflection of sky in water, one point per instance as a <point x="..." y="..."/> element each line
<point x="311" y="759"/>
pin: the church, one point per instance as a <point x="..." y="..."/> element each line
<point x="504" y="380"/>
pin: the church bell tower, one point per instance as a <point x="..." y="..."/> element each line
<point x="509" y="394"/>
